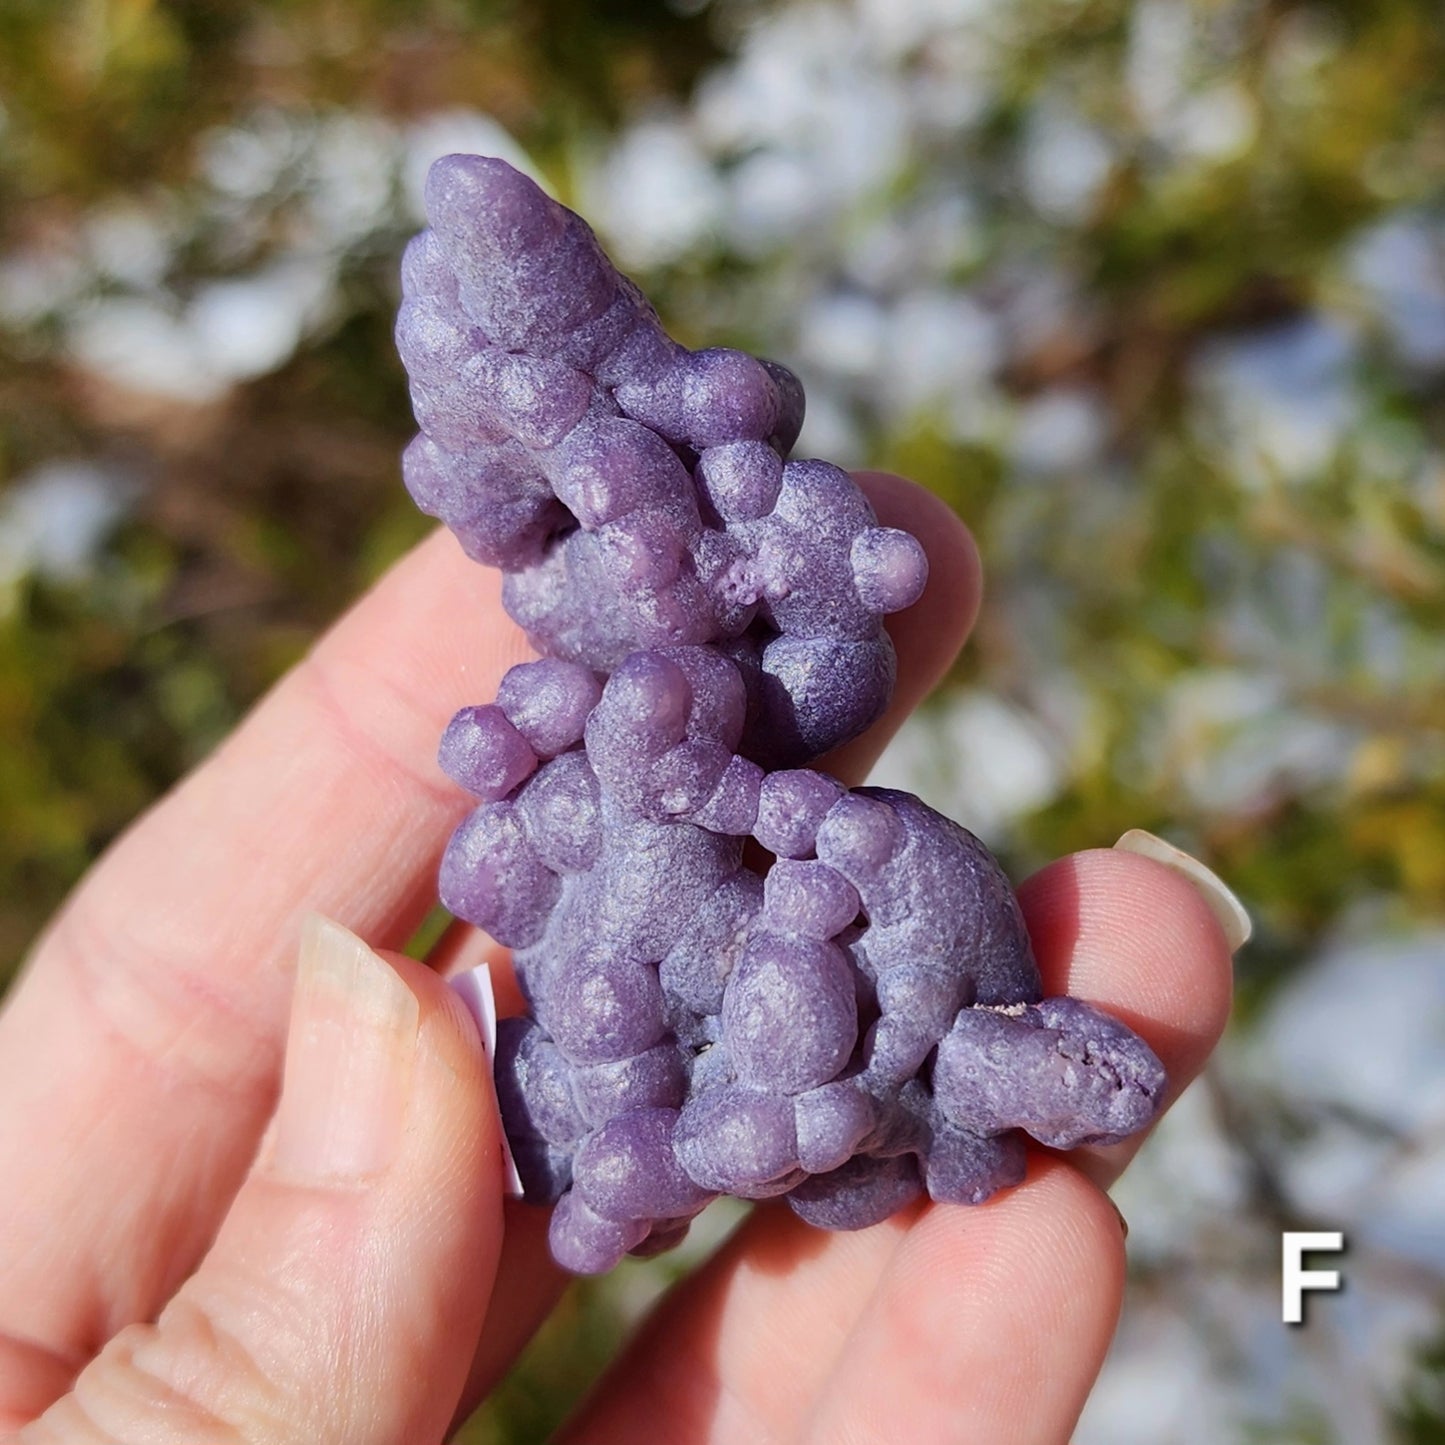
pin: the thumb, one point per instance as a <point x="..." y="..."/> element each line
<point x="343" y="1298"/>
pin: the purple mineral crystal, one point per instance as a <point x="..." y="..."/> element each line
<point x="862" y="1023"/>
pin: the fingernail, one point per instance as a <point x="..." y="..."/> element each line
<point x="1119" y="1215"/>
<point x="348" y="1061"/>
<point x="1221" y="900"/>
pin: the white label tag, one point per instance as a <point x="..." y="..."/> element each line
<point x="475" y="990"/>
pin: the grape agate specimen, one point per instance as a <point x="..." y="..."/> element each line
<point x="858" y="1024"/>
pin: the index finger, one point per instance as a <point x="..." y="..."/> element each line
<point x="140" y="1052"/>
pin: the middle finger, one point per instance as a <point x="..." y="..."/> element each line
<point x="761" y="1327"/>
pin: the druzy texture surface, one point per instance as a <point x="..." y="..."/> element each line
<point x="855" y="1024"/>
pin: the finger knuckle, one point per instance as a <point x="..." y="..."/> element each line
<point x="162" y="1000"/>
<point x="183" y="1379"/>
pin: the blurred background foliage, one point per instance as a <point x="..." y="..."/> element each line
<point x="1152" y="291"/>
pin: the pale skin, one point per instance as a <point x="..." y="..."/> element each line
<point x="165" y="1277"/>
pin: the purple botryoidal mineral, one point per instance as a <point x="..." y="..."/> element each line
<point x="858" y="1025"/>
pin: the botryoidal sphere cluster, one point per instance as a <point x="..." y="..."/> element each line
<point x="851" y="1025"/>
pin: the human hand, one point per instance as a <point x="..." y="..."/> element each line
<point x="173" y="1269"/>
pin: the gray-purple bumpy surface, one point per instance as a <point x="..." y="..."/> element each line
<point x="858" y="1024"/>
